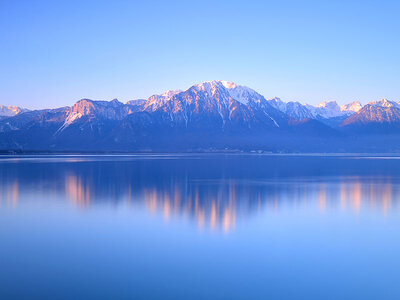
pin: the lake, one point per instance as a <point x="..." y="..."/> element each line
<point x="199" y="226"/>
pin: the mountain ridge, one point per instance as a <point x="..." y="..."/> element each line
<point x="210" y="115"/>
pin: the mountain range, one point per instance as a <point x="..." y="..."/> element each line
<point x="211" y="116"/>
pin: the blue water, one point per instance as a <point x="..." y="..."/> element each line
<point x="199" y="227"/>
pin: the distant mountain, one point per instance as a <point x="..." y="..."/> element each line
<point x="88" y="110"/>
<point x="352" y="107"/>
<point x="294" y="110"/>
<point x="9" y="111"/>
<point x="216" y="104"/>
<point x="157" y="101"/>
<point x="326" y="112"/>
<point x="378" y="116"/>
<point x="214" y="115"/>
<point x="331" y="109"/>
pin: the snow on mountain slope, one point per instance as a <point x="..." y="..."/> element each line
<point x="136" y="102"/>
<point x="277" y="103"/>
<point x="209" y="113"/>
<point x="298" y="111"/>
<point x="239" y="93"/>
<point x="221" y="104"/>
<point x="215" y="102"/>
<point x="156" y="101"/>
<point x="223" y="99"/>
<point x="326" y="110"/>
<point x="323" y="111"/>
<point x="351" y="107"/>
<point x="9" y="111"/>
<point x="384" y="103"/>
<point x="295" y="110"/>
<point x="375" y="113"/>
<point x="331" y="109"/>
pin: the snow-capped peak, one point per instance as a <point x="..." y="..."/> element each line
<point x="10" y="110"/>
<point x="384" y="103"/>
<point x="240" y="93"/>
<point x="156" y="101"/>
<point x="332" y="105"/>
<point x="229" y="85"/>
<point x="326" y="109"/>
<point x="293" y="109"/>
<point x="277" y="103"/>
<point x="216" y="83"/>
<point x="351" y="107"/>
<point x="169" y="94"/>
<point x="244" y="94"/>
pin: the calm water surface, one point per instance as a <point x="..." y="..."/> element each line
<point x="199" y="227"/>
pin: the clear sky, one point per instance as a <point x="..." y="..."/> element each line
<point x="53" y="53"/>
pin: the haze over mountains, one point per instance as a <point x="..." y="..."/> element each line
<point x="210" y="116"/>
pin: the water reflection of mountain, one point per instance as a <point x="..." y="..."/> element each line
<point x="214" y="192"/>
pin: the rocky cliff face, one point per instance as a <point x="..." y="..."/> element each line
<point x="114" y="110"/>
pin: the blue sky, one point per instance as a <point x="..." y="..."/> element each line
<point x="53" y="54"/>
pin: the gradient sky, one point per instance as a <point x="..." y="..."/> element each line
<point x="53" y="54"/>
